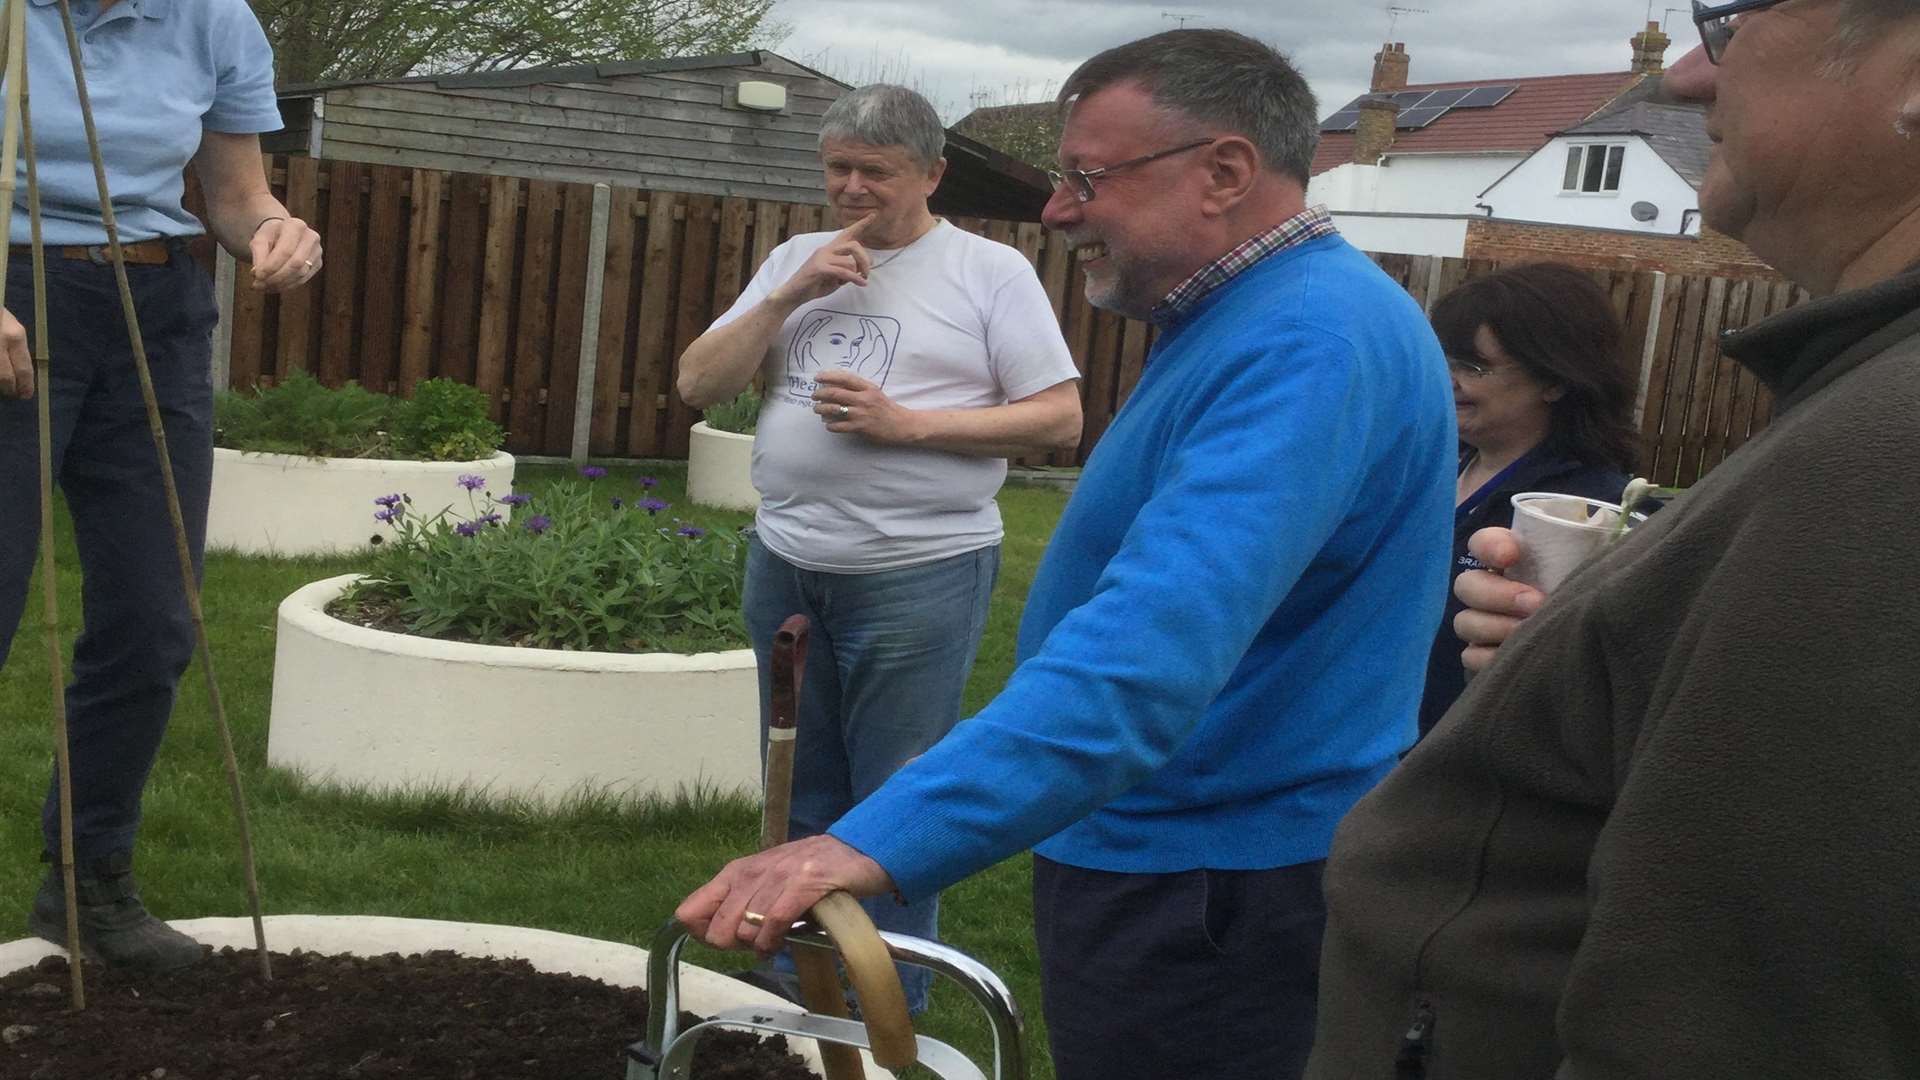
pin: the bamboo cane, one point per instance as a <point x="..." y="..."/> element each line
<point x="188" y="579"/>
<point x="20" y="111"/>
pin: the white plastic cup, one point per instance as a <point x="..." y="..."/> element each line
<point x="1557" y="533"/>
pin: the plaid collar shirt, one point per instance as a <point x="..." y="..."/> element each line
<point x="1309" y="224"/>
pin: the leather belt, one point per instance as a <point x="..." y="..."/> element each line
<point x="144" y="253"/>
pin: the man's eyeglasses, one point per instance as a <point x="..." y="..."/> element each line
<point x="1080" y="181"/>
<point x="1717" y="22"/>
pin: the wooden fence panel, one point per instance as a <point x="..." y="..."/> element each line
<point x="465" y="248"/>
<point x="483" y="279"/>
<point x="340" y="306"/>
<point x="426" y="212"/>
<point x="380" y="316"/>
<point x="655" y="337"/>
<point x="498" y="278"/>
<point x="295" y="308"/>
<point x="693" y="308"/>
<point x="533" y="333"/>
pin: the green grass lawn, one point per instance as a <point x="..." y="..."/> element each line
<point x="600" y="868"/>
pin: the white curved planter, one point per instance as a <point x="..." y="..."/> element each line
<point x="356" y="706"/>
<point x="284" y="504"/>
<point x="720" y="469"/>
<point x="701" y="991"/>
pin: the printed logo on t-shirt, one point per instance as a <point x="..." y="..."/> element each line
<point x="862" y="344"/>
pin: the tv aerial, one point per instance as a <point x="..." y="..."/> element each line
<point x="1393" y="16"/>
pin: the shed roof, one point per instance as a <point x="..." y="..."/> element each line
<point x="1522" y="123"/>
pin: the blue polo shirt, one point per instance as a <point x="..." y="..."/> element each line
<point x="159" y="73"/>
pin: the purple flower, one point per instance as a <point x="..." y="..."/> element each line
<point x="691" y="532"/>
<point x="617" y="504"/>
<point x="539" y="523"/>
<point x="649" y="482"/>
<point x="515" y="499"/>
<point x="389" y="515"/>
<point x="592" y="472"/>
<point x="388" y="501"/>
<point x="468" y="528"/>
<point x="651" y="505"/>
<point x="488" y="519"/>
<point x="472" y="482"/>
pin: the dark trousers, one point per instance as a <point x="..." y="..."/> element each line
<point x="1199" y="975"/>
<point x="136" y="636"/>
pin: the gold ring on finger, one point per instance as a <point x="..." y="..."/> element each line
<point x="752" y="918"/>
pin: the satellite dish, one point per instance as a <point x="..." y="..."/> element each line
<point x="1644" y="211"/>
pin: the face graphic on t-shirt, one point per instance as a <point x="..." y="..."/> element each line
<point x="862" y="344"/>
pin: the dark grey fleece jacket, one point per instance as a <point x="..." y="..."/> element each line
<point x="1675" y="831"/>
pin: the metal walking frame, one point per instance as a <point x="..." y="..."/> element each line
<point x="667" y="1052"/>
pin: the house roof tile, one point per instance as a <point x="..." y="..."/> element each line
<point x="1532" y="114"/>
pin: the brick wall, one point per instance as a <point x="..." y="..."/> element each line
<point x="1711" y="254"/>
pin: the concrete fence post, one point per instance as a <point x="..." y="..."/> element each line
<point x="590" y="324"/>
<point x="225" y="270"/>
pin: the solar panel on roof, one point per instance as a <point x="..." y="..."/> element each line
<point x="1408" y="99"/>
<point x="1485" y="97"/>
<point x="1443" y="99"/>
<point x="1419" y="118"/>
<point x="1344" y="120"/>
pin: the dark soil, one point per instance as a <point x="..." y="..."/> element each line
<point x="435" y="1016"/>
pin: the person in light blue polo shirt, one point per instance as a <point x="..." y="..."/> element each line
<point x="173" y="83"/>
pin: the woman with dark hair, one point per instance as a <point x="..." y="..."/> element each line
<point x="1544" y="399"/>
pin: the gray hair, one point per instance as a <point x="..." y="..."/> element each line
<point x="1863" y="22"/>
<point x="1221" y="79"/>
<point x="887" y="115"/>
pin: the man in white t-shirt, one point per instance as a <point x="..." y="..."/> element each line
<point x="905" y="360"/>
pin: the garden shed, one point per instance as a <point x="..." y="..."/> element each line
<point x="735" y="125"/>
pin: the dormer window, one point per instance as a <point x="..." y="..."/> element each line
<point x="1594" y="168"/>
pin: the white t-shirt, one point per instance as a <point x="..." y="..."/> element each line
<point x="951" y="321"/>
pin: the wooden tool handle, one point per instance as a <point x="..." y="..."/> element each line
<point x="787" y="668"/>
<point x="876" y="982"/>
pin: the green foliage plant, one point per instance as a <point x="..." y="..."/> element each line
<point x="739" y="416"/>
<point x="443" y="421"/>
<point x="300" y="416"/>
<point x="578" y="568"/>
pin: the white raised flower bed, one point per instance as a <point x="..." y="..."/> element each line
<point x="701" y="991"/>
<point x="720" y="469"/>
<point x="285" y="504"/>
<point x="365" y="707"/>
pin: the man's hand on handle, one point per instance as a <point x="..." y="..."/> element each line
<point x="1495" y="605"/>
<point x="16" y="367"/>
<point x="777" y="885"/>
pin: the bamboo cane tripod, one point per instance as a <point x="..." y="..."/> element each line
<point x="16" y="123"/>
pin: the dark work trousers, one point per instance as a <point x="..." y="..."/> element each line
<point x="1198" y="975"/>
<point x="136" y="635"/>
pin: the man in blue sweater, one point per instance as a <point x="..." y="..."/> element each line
<point x="1224" y="646"/>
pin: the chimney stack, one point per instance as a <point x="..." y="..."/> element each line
<point x="1390" y="68"/>
<point x="1374" y="133"/>
<point x="1649" y="50"/>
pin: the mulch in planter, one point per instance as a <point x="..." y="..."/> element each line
<point x="434" y="1016"/>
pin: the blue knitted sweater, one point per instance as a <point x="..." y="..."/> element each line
<point x="1225" y="642"/>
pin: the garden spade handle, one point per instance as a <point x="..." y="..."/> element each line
<point x="789" y="665"/>
<point x="819" y="976"/>
<point x="869" y="967"/>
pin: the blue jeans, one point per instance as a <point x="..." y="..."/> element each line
<point x="136" y="635"/>
<point x="887" y="661"/>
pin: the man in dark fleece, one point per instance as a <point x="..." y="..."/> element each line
<point x="1671" y="831"/>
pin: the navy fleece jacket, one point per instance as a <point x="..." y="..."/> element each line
<point x="1225" y="642"/>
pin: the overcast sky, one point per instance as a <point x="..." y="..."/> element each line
<point x="962" y="52"/>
